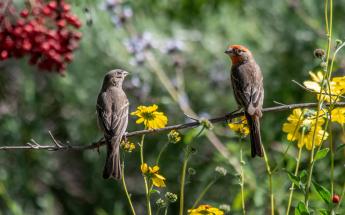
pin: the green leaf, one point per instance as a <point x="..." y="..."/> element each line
<point x="321" y="154"/>
<point x="323" y="211"/>
<point x="340" y="146"/>
<point x="190" y="135"/>
<point x="303" y="176"/>
<point x="301" y="209"/>
<point x="323" y="192"/>
<point x="294" y="179"/>
<point x="154" y="191"/>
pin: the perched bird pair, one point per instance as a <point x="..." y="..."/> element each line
<point x="112" y="105"/>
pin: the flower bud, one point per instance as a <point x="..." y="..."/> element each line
<point x="323" y="65"/>
<point x="225" y="208"/>
<point x="191" y="171"/>
<point x="319" y="53"/>
<point x="206" y="123"/>
<point x="171" y="197"/>
<point x="174" y="136"/>
<point x="161" y="203"/>
<point x="127" y="146"/>
<point x="338" y="42"/>
<point x="221" y="170"/>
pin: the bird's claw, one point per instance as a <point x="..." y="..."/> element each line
<point x="124" y="137"/>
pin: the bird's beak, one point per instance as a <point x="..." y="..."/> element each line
<point x="125" y="73"/>
<point x="228" y="51"/>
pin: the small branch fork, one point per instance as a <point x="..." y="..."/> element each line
<point x="59" y="146"/>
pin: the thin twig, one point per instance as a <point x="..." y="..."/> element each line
<point x="59" y="146"/>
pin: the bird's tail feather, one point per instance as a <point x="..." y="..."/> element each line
<point x="255" y="136"/>
<point x="112" y="167"/>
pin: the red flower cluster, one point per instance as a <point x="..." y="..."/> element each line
<point x="45" y="33"/>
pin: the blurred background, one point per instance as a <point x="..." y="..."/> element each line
<point x="185" y="41"/>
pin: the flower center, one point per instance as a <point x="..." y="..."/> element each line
<point x="306" y="126"/>
<point x="148" y="116"/>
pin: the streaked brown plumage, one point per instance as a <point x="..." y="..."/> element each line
<point x="247" y="84"/>
<point x="112" y="112"/>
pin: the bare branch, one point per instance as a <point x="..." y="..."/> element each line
<point x="59" y="146"/>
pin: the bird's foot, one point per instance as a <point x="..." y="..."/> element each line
<point x="124" y="137"/>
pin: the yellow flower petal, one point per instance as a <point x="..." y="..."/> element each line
<point x="205" y="210"/>
<point x="312" y="85"/>
<point x="144" y="168"/>
<point x="240" y="126"/>
<point x="159" y="176"/>
<point x="139" y="121"/>
<point x="150" y="117"/>
<point x="154" y="169"/>
<point x="338" y="115"/>
<point x="158" y="182"/>
<point x="305" y="121"/>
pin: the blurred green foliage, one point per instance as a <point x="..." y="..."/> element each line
<point x="281" y="34"/>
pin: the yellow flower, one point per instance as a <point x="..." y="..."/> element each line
<point x="339" y="84"/>
<point x="315" y="85"/>
<point x="240" y="126"/>
<point x="127" y="146"/>
<point x="151" y="118"/>
<point x="305" y="120"/>
<point x="205" y="210"/>
<point x="338" y="115"/>
<point x="152" y="172"/>
<point x="158" y="180"/>
<point x="144" y="168"/>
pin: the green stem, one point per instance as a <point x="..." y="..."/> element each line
<point x="289" y="144"/>
<point x="326" y="77"/>
<point x="296" y="173"/>
<point x="183" y="177"/>
<point x="142" y="149"/>
<point x="310" y="172"/>
<point x="331" y="145"/>
<point x="268" y="168"/>
<point x="161" y="152"/>
<point x="326" y="16"/>
<point x="341" y="196"/>
<point x="157" y="211"/>
<point x="242" y="183"/>
<point x="202" y="194"/>
<point x="125" y="188"/>
<point x="166" y="211"/>
<point x="148" y="202"/>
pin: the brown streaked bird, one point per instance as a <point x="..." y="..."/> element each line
<point x="112" y="112"/>
<point x="247" y="84"/>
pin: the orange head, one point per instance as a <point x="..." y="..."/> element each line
<point x="238" y="54"/>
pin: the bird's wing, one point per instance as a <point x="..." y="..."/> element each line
<point x="104" y="114"/>
<point x="112" y="112"/>
<point x="247" y="86"/>
<point x="120" y="119"/>
<point x="241" y="86"/>
<point x="257" y="93"/>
